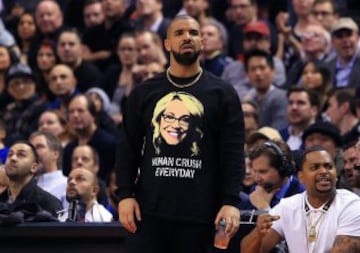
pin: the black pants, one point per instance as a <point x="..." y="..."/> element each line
<point x="162" y="236"/>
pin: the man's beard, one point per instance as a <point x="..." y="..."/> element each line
<point x="187" y="58"/>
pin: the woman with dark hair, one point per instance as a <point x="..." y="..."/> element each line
<point x="119" y="79"/>
<point x="7" y="58"/>
<point x="317" y="76"/>
<point x="46" y="59"/>
<point x="52" y="121"/>
<point x="25" y="33"/>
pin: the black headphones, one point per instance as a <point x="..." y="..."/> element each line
<point x="286" y="168"/>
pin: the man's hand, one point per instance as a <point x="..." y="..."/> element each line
<point x="231" y="215"/>
<point x="264" y="223"/>
<point x="283" y="27"/>
<point x="260" y="198"/>
<point x="129" y="209"/>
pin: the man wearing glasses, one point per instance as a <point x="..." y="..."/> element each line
<point x="325" y="12"/>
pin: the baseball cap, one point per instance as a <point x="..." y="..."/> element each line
<point x="267" y="133"/>
<point x="345" y="23"/>
<point x="19" y="70"/>
<point x="325" y="128"/>
<point x="257" y="27"/>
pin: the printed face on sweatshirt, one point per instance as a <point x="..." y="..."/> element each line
<point x="176" y="117"/>
<point x="174" y="122"/>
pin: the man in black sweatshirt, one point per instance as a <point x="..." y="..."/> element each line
<point x="181" y="153"/>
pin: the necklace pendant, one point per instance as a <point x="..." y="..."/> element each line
<point x="312" y="235"/>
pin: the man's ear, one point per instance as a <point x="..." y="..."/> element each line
<point x="34" y="167"/>
<point x="95" y="190"/>
<point x="300" y="176"/>
<point x="167" y="45"/>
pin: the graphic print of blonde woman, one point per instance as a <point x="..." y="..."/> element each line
<point x="177" y="116"/>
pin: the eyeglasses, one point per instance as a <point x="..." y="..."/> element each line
<point x="322" y="13"/>
<point x="309" y="35"/>
<point x="183" y="120"/>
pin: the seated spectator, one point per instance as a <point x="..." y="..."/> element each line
<point x="256" y="35"/>
<point x="21" y="166"/>
<point x="213" y="54"/>
<point x="7" y="39"/>
<point x="327" y="135"/>
<point x="50" y="22"/>
<point x="199" y="10"/>
<point x="248" y="181"/>
<point x="53" y="122"/>
<point x="93" y="13"/>
<point x="26" y="31"/>
<point x="270" y="100"/>
<point x="4" y="180"/>
<point x="150" y="48"/>
<point x="302" y="111"/>
<point x="351" y="166"/>
<point x="251" y="118"/>
<point x="7" y="58"/>
<point x="85" y="156"/>
<point x="100" y="41"/>
<point x="315" y="46"/>
<point x="150" y="17"/>
<point x="104" y="110"/>
<point x="69" y="51"/>
<point x="326" y="13"/>
<point x="341" y="111"/>
<point x="119" y="79"/>
<point x="49" y="175"/>
<point x="3" y="148"/>
<point x="261" y="135"/>
<point x="22" y="115"/>
<point x="273" y="172"/>
<point x="46" y="59"/>
<point x="321" y="219"/>
<point x="82" y="119"/>
<point x="344" y="67"/>
<point x="316" y="76"/>
<point x="63" y="86"/>
<point x="241" y="13"/>
<point x="83" y="187"/>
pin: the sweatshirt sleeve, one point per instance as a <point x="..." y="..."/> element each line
<point x="129" y="147"/>
<point x="232" y="148"/>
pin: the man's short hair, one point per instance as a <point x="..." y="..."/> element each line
<point x="331" y="2"/>
<point x="312" y="95"/>
<point x="308" y="151"/>
<point x="258" y="53"/>
<point x="32" y="148"/>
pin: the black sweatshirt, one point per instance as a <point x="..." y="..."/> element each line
<point x="192" y="162"/>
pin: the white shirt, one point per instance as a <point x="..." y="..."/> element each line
<point x="97" y="213"/>
<point x="342" y="218"/>
<point x="55" y="183"/>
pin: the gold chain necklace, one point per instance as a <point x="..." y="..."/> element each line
<point x="312" y="234"/>
<point x="310" y="230"/>
<point x="184" y="85"/>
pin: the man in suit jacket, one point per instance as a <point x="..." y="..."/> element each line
<point x="150" y="17"/>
